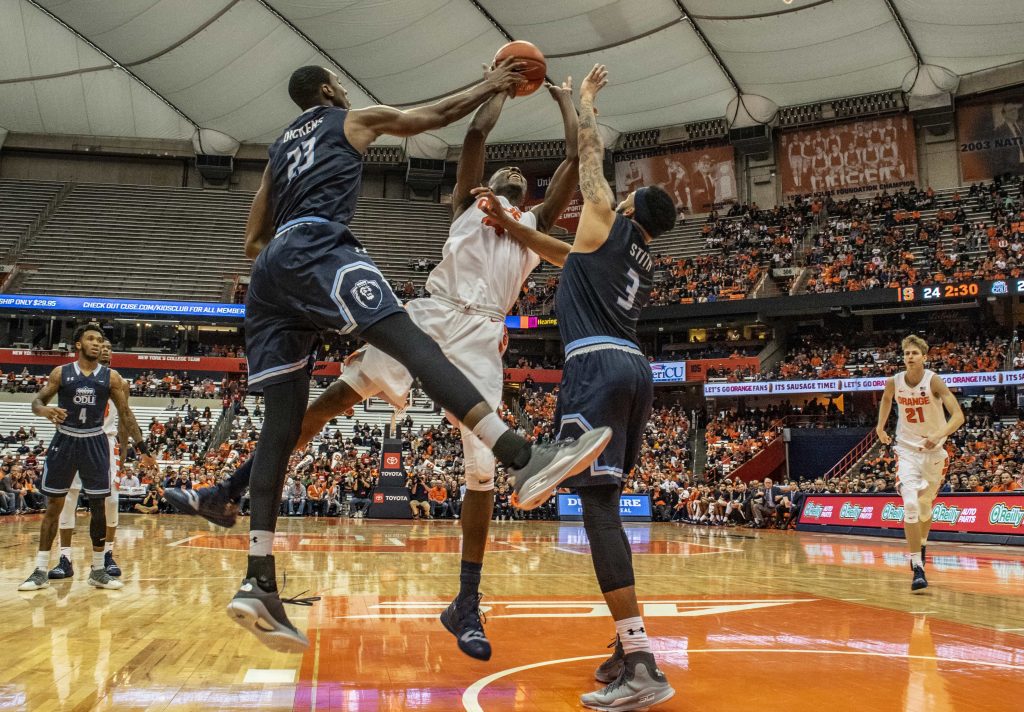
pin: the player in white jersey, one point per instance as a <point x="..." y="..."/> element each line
<point x="64" y="568"/>
<point x="475" y="285"/>
<point x="922" y="401"/>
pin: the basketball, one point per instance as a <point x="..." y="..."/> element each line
<point x="536" y="67"/>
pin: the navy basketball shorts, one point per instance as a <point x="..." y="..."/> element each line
<point x="312" y="277"/>
<point x="88" y="456"/>
<point x="610" y="387"/>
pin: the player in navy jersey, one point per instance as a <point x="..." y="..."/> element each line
<point x="83" y="389"/>
<point x="312" y="275"/>
<point x="606" y="281"/>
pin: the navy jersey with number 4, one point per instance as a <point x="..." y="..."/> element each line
<point x="83" y="397"/>
<point x="601" y="293"/>
<point x="315" y="171"/>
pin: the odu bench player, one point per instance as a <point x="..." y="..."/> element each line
<point x="311" y="275"/>
<point x="921" y="429"/>
<point x="80" y="446"/>
<point x="607" y="381"/>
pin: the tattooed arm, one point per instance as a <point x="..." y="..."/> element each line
<point x="127" y="425"/>
<point x="598" y="214"/>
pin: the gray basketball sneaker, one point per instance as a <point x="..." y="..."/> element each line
<point x="640" y="685"/>
<point x="35" y="581"/>
<point x="609" y="671"/>
<point x="262" y="614"/>
<point x="101" y="579"/>
<point x="552" y="463"/>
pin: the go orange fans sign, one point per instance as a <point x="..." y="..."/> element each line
<point x="855" y="157"/>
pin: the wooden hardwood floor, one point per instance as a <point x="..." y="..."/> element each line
<point x="769" y="621"/>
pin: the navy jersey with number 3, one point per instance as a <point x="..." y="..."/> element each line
<point x="315" y="171"/>
<point x="601" y="293"/>
<point x="83" y="397"/>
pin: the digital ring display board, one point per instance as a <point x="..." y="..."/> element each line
<point x="955" y="514"/>
<point x="951" y="291"/>
<point x="632" y="507"/>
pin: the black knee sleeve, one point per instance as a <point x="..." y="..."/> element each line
<point x="97" y="520"/>
<point x="609" y="548"/>
<point x="402" y="340"/>
<point x="283" y="407"/>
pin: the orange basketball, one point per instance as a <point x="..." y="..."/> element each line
<point x="536" y="65"/>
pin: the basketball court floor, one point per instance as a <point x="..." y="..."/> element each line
<point x="740" y="620"/>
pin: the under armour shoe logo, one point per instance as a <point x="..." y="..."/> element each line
<point x="638" y="631"/>
<point x="254" y="540"/>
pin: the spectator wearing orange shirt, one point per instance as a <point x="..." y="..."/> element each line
<point x="440" y="507"/>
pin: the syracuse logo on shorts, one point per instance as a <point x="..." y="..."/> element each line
<point x="368" y="293"/>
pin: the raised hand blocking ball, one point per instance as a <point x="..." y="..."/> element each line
<point x="536" y="66"/>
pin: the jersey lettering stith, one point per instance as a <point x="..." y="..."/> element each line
<point x="601" y="293"/>
<point x="315" y="171"/>
<point x="84" y="397"/>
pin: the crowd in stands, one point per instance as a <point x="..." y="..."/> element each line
<point x="855" y="354"/>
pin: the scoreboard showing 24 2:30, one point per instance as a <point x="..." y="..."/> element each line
<point x="960" y="290"/>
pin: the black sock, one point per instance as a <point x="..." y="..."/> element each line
<point x="469" y="579"/>
<point x="512" y="450"/>
<point x="261" y="568"/>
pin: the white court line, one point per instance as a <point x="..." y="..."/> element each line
<point x="256" y="676"/>
<point x="471" y="697"/>
<point x="187" y="539"/>
<point x="568" y="551"/>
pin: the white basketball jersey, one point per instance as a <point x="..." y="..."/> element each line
<point x="478" y="266"/>
<point x="920" y="412"/>
<point x="110" y="421"/>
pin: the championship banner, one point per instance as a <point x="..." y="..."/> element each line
<point x="853" y="385"/>
<point x="990" y="136"/>
<point x="537" y="186"/>
<point x="699" y="181"/>
<point x="999" y="513"/>
<point x="855" y="157"/>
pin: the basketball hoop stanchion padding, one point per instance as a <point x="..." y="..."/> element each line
<point x="390" y="499"/>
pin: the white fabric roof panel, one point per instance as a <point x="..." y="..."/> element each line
<point x="966" y="37"/>
<point x="224" y="64"/>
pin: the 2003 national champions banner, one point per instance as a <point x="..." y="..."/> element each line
<point x="849" y="158"/>
<point x="990" y="136"/>
<point x="699" y="181"/>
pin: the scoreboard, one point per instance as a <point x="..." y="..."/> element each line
<point x="960" y="290"/>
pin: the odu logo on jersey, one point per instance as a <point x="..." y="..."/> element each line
<point x="368" y="293"/>
<point x="85" y="396"/>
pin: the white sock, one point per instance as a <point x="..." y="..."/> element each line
<point x="633" y="635"/>
<point x="109" y="546"/>
<point x="66" y="551"/>
<point x="489" y="429"/>
<point x="261" y="543"/>
<point x="915" y="558"/>
<point x="42" y="560"/>
<point x="97" y="561"/>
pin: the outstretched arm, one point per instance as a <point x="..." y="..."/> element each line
<point x="564" y="181"/>
<point x="598" y="215"/>
<point x="471" y="162"/>
<point x="363" y="126"/>
<point x="259" y="227"/>
<point x="549" y="248"/>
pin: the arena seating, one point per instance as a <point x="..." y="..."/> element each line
<point x="157" y="242"/>
<point x="21" y="204"/>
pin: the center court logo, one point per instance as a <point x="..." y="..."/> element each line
<point x="367" y="293"/>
